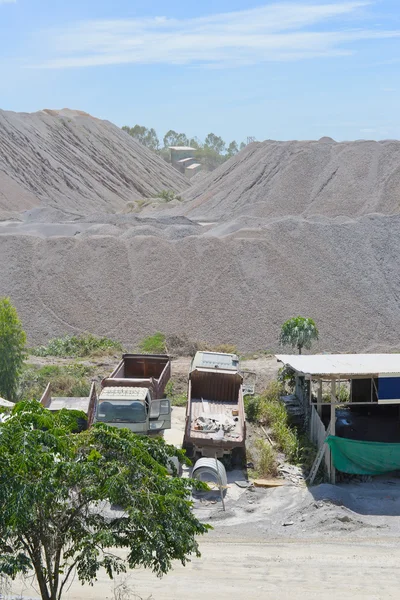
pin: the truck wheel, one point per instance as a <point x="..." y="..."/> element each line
<point x="189" y="449"/>
<point x="238" y="458"/>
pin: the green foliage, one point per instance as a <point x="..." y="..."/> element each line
<point x="146" y="137"/>
<point x="68" y="380"/>
<point x="298" y="332"/>
<point x="214" y="142"/>
<point x="12" y="349"/>
<point x="77" y="346"/>
<point x="153" y="344"/>
<point x="176" y="399"/>
<point x="232" y="149"/>
<point x="266" y="460"/>
<point x="169" y="196"/>
<point x="55" y="488"/>
<point x="268" y="409"/>
<point x="287" y="378"/>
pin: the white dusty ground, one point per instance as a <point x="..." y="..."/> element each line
<point x="232" y="569"/>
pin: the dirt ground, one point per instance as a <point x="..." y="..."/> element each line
<point x="234" y="569"/>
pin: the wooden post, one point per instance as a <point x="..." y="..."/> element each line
<point x="319" y="399"/>
<point x="333" y="425"/>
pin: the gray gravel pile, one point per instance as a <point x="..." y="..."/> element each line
<point x="277" y="179"/>
<point x="237" y="288"/>
<point x="76" y="163"/>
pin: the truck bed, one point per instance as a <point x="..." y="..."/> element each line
<point x="213" y="409"/>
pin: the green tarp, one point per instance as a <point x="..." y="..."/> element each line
<point x="364" y="458"/>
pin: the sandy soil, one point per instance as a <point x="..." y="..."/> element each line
<point x="232" y="569"/>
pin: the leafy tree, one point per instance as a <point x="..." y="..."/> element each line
<point x="12" y="349"/>
<point x="232" y="149"/>
<point x="215" y="142"/>
<point x="146" y="137"/>
<point x="172" y="138"/>
<point x="298" y="332"/>
<point x="209" y="158"/>
<point x="56" y="493"/>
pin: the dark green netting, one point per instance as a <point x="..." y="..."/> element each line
<point x="364" y="458"/>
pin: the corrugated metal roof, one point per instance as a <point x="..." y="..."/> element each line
<point x="343" y="364"/>
<point x="194" y="166"/>
<point x="123" y="393"/>
<point x="185" y="160"/>
<point x="216" y="360"/>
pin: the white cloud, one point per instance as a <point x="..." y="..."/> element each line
<point x="8" y="1"/>
<point x="278" y="32"/>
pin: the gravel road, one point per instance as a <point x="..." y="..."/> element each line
<point x="235" y="569"/>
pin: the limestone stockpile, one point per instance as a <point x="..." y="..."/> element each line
<point x="277" y="179"/>
<point x="76" y="163"/>
<point x="130" y="279"/>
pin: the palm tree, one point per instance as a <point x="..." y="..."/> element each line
<point x="298" y="332"/>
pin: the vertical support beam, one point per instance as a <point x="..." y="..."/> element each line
<point x="333" y="424"/>
<point x="319" y="398"/>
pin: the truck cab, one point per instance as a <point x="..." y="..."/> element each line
<point x="134" y="409"/>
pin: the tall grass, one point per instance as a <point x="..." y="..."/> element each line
<point x="76" y="346"/>
<point x="153" y="344"/>
<point x="268" y="409"/>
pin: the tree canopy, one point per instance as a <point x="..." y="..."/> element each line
<point x="298" y="332"/>
<point x="56" y="493"/>
<point x="12" y="349"/>
<point x="211" y="153"/>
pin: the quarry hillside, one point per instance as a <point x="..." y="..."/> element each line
<point x="281" y="229"/>
<point x="276" y="179"/>
<point x="74" y="162"/>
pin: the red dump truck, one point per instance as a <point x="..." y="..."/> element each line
<point x="215" y="421"/>
<point x="132" y="396"/>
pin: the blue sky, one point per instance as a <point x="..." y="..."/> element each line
<point x="273" y="70"/>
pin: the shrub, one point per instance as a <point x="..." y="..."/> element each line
<point x="70" y="380"/>
<point x="266" y="460"/>
<point x="176" y="399"/>
<point x="153" y="344"/>
<point x="268" y="409"/>
<point x="78" y="346"/>
<point x="225" y="348"/>
<point x="168" y="196"/>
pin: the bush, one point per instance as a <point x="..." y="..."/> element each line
<point x="224" y="348"/>
<point x="266" y="461"/>
<point x="268" y="409"/>
<point x="154" y="344"/>
<point x="78" y="346"/>
<point x="175" y="399"/>
<point x="71" y="380"/>
<point x="168" y="196"/>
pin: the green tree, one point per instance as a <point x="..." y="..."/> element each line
<point x="56" y="493"/>
<point x="298" y="332"/>
<point x="232" y="149"/>
<point x="172" y="138"/>
<point x="243" y="146"/>
<point x="146" y="137"/>
<point x="214" y="142"/>
<point x="12" y="349"/>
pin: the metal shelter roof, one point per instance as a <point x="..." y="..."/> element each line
<point x="181" y="148"/>
<point x="215" y="360"/>
<point x="343" y="364"/>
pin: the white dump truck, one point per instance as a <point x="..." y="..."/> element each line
<point x="215" y="421"/>
<point x="132" y="396"/>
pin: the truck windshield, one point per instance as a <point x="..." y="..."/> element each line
<point x="121" y="412"/>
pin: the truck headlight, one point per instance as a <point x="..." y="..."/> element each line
<point x="156" y="424"/>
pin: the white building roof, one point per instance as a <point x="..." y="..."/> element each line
<point x="343" y="364"/>
<point x="194" y="166"/>
<point x="182" y="148"/>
